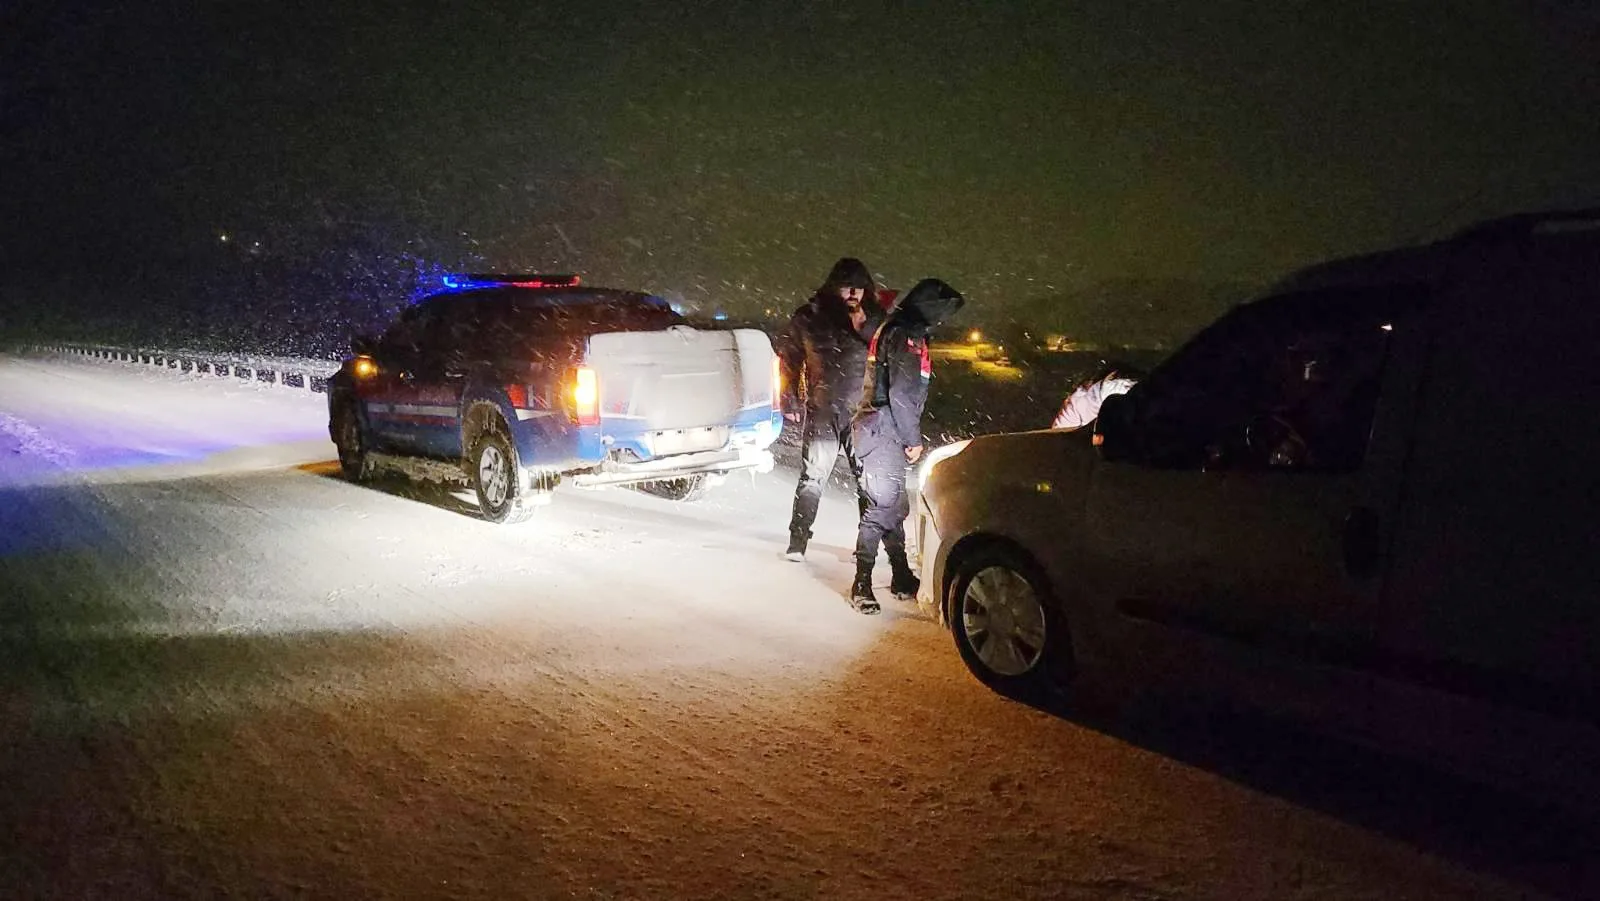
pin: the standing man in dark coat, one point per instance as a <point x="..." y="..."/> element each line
<point x="887" y="428"/>
<point x="824" y="351"/>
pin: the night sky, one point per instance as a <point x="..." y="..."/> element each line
<point x="728" y="152"/>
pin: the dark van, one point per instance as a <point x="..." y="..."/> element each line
<point x="1366" y="497"/>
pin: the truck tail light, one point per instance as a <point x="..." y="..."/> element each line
<point x="777" y="385"/>
<point x="586" y="396"/>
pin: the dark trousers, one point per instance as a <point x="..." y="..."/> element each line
<point x="826" y="433"/>
<point x="883" y="486"/>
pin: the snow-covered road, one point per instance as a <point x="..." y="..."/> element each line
<point x="227" y="670"/>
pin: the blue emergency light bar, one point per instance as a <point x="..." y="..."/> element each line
<point x="469" y="281"/>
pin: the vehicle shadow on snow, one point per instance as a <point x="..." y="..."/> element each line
<point x="1482" y="827"/>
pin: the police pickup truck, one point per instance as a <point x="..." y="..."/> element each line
<point x="512" y="384"/>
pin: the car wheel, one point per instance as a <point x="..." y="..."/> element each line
<point x="1007" y="627"/>
<point x="351" y="442"/>
<point x="686" y="489"/>
<point x="496" y="479"/>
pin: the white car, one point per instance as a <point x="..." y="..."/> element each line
<point x="1366" y="498"/>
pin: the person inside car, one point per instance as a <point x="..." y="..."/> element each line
<point x="1083" y="403"/>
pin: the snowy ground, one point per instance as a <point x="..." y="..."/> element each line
<point x="225" y="670"/>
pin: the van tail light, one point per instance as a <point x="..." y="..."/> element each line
<point x="586" y="396"/>
<point x="777" y="384"/>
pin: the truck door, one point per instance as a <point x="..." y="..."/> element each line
<point x="434" y="390"/>
<point x="1267" y="468"/>
<point x="390" y="394"/>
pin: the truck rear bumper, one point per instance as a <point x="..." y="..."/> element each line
<point x="675" y="467"/>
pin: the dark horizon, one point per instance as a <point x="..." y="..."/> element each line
<point x="1022" y="150"/>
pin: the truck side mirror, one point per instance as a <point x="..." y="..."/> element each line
<point x="1115" y="429"/>
<point x="363" y="345"/>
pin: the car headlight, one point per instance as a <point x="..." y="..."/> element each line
<point x="938" y="455"/>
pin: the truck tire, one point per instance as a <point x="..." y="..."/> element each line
<point x="350" y="439"/>
<point x="687" y="489"/>
<point x="497" y="479"/>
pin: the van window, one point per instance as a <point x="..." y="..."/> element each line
<point x="1288" y="384"/>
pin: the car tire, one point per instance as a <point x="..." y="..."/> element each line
<point x="350" y="440"/>
<point x="687" y="489"/>
<point x="496" y="479"/>
<point x="1008" y="627"/>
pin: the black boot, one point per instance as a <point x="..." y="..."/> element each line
<point x="904" y="583"/>
<point x="797" y="546"/>
<point x="861" y="596"/>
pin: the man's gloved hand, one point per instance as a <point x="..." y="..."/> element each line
<point x="913" y="453"/>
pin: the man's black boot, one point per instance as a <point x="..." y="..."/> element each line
<point x="861" y="596"/>
<point x="797" y="546"/>
<point x="904" y="583"/>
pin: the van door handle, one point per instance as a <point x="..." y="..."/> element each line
<point x="1362" y="543"/>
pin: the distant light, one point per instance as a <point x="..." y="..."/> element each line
<point x="720" y="316"/>
<point x="363" y="367"/>
<point x="974" y="336"/>
<point x="1387" y="327"/>
<point x="223" y="237"/>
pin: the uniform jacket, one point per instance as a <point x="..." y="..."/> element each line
<point x="895" y="388"/>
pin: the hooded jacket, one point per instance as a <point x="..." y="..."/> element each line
<point x="898" y="368"/>
<point x="822" y="346"/>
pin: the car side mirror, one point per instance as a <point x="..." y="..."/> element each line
<point x="363" y="345"/>
<point x="1116" y="429"/>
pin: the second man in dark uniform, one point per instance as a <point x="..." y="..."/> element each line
<point x="887" y="431"/>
